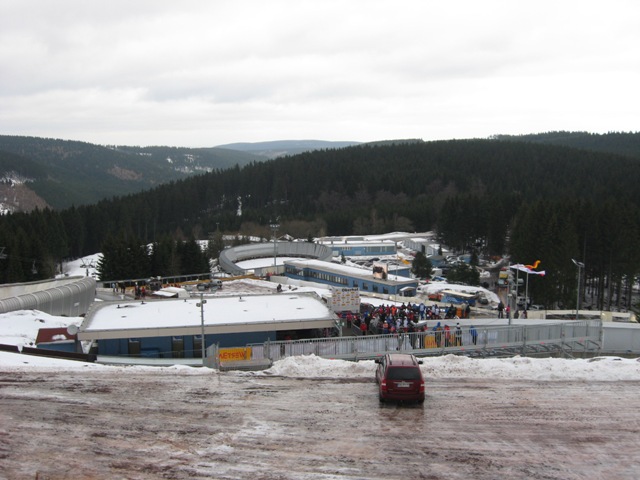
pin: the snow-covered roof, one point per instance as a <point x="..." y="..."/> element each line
<point x="351" y="242"/>
<point x="234" y="314"/>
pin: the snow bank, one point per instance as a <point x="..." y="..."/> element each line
<point x="448" y="366"/>
<point x="453" y="366"/>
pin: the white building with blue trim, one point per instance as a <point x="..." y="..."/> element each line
<point x="330" y="273"/>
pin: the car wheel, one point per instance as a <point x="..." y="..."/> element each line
<point x="380" y="398"/>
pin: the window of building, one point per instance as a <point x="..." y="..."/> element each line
<point x="177" y="347"/>
<point x="134" y="347"/>
<point x="197" y="346"/>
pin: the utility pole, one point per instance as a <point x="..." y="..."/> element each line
<point x="580" y="266"/>
<point x="274" y="226"/>
<point x="201" y="305"/>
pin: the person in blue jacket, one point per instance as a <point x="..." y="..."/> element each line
<point x="474" y="334"/>
<point x="438" y="330"/>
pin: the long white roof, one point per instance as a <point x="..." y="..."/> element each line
<point x="233" y="314"/>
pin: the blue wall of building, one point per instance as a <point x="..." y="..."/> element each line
<point x="311" y="274"/>
<point x="162" y="347"/>
<point x="350" y="250"/>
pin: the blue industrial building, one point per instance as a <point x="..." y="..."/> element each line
<point x="350" y="247"/>
<point x="345" y="276"/>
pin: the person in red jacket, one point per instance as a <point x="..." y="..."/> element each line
<point x="363" y="327"/>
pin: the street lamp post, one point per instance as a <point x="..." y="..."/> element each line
<point x="201" y="305"/>
<point x="580" y="266"/>
<point x="274" y="227"/>
<point x="515" y="307"/>
<point x="514" y="297"/>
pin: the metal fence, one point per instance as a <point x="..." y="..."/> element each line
<point x="563" y="338"/>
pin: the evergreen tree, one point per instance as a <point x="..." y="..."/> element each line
<point x="215" y="245"/>
<point x="193" y="259"/>
<point x="421" y="266"/>
<point x="463" y="273"/>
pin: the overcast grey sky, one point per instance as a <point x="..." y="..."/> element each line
<point x="205" y="73"/>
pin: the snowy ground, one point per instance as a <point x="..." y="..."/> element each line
<point x="309" y="418"/>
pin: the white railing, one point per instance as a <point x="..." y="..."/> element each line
<point x="582" y="337"/>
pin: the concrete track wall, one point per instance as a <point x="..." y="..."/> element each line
<point x="63" y="297"/>
<point x="230" y="256"/>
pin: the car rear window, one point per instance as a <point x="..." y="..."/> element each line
<point x="403" y="373"/>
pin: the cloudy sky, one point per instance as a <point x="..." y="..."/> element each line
<point x="205" y="73"/>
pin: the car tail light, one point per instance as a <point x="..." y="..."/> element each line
<point x="422" y="387"/>
<point x="383" y="385"/>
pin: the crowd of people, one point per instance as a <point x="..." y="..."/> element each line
<point x="412" y="319"/>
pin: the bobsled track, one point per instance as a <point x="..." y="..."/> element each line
<point x="68" y="296"/>
<point x="180" y="423"/>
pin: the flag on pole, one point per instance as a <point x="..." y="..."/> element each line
<point x="534" y="266"/>
<point x="527" y="269"/>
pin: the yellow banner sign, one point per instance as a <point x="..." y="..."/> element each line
<point x="234" y="354"/>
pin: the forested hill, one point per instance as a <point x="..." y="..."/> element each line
<point x="534" y="201"/>
<point x="614" y="142"/>
<point x="64" y="173"/>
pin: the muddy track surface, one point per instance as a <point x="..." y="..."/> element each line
<point x="166" y="424"/>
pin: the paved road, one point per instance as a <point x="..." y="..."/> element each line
<point x="171" y="423"/>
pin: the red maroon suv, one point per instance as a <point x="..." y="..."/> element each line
<point x="399" y="378"/>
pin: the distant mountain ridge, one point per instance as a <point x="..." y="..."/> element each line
<point x="42" y="172"/>
<point x="63" y="173"/>
<point x="279" y="148"/>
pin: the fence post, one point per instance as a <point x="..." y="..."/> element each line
<point x="600" y="335"/>
<point x="212" y="356"/>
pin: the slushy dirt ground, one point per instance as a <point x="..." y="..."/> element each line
<point x="121" y="423"/>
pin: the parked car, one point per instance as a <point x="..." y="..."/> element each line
<point x="209" y="285"/>
<point x="399" y="378"/>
